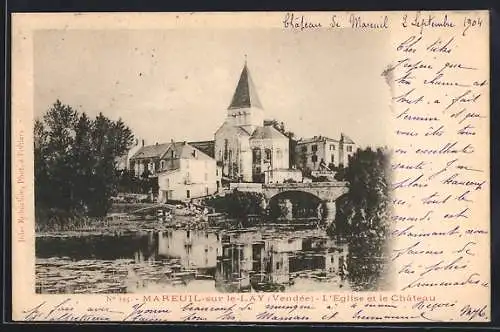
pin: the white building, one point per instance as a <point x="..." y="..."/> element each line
<point x="185" y="172"/>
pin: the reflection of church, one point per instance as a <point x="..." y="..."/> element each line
<point x="245" y="147"/>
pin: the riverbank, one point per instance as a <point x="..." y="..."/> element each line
<point x="127" y="218"/>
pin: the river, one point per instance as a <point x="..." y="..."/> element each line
<point x="177" y="260"/>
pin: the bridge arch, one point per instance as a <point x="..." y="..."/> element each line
<point x="296" y="205"/>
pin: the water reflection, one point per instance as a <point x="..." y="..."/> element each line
<point x="204" y="261"/>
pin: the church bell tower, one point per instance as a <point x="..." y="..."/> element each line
<point x="245" y="109"/>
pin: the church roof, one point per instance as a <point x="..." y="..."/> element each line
<point x="245" y="95"/>
<point x="266" y="132"/>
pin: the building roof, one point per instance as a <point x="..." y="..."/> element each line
<point x="316" y="139"/>
<point x="266" y="132"/>
<point x="245" y="95"/>
<point x="346" y="139"/>
<point x="151" y="151"/>
<point x="207" y="147"/>
<point x="186" y="151"/>
<point x="244" y="131"/>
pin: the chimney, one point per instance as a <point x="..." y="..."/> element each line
<point x="142" y="142"/>
<point x="156" y="143"/>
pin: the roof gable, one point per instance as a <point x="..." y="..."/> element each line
<point x="184" y="150"/>
<point x="207" y="147"/>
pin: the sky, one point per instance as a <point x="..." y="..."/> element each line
<point x="177" y="83"/>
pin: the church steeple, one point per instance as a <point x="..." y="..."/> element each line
<point x="245" y="95"/>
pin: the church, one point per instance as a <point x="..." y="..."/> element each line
<point x="246" y="147"/>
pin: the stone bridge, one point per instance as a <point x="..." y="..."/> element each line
<point x="326" y="193"/>
<point x="290" y="194"/>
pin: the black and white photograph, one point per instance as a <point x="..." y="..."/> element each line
<point x="211" y="160"/>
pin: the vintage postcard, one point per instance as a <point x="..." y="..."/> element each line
<point x="317" y="167"/>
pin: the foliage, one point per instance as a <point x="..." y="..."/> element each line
<point x="129" y="183"/>
<point x="75" y="157"/>
<point x="364" y="210"/>
<point x="238" y="204"/>
<point x="363" y="216"/>
<point x="340" y="174"/>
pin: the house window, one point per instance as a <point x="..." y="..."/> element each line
<point x="314" y="148"/>
<point x="188" y="195"/>
<point x="304" y="148"/>
<point x="314" y="158"/>
<point x="256" y="156"/>
<point x="332" y="147"/>
<point x="332" y="159"/>
<point x="349" y="148"/>
<point x="162" y="164"/>
<point x="268" y="154"/>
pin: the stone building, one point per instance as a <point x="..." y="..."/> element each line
<point x="244" y="147"/>
<point x="148" y="158"/>
<point x="124" y="162"/>
<point x="324" y="153"/>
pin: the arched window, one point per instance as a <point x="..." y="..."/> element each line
<point x="162" y="164"/>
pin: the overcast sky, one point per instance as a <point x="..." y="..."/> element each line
<point x="177" y="84"/>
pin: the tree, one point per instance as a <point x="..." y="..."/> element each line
<point x="82" y="160"/>
<point x="363" y="216"/>
<point x="75" y="161"/>
<point x="364" y="210"/>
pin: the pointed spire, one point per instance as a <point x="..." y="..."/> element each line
<point x="245" y="95"/>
